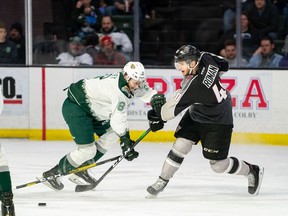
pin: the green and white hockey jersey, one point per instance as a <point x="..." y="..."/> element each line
<point x="108" y="98"/>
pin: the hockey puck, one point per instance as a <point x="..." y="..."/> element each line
<point x="41" y="204"/>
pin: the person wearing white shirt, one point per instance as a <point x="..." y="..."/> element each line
<point x="76" y="54"/>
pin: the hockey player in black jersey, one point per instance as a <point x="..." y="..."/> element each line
<point x="208" y="119"/>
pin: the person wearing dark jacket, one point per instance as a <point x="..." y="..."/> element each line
<point x="8" y="50"/>
<point x="264" y="17"/>
<point x="16" y="36"/>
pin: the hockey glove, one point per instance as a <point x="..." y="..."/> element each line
<point x="126" y="145"/>
<point x="157" y="101"/>
<point x="155" y="122"/>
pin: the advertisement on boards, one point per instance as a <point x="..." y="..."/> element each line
<point x="15" y="88"/>
<point x="257" y="96"/>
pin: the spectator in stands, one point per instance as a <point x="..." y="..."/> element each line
<point x="250" y="38"/>
<point x="46" y="48"/>
<point x="266" y="58"/>
<point x="264" y="16"/>
<point x="282" y="6"/>
<point x="8" y="50"/>
<point x="76" y="54"/>
<point x="87" y="22"/>
<point x="86" y="17"/>
<point x="108" y="55"/>
<point x="17" y="37"/>
<point x="229" y="15"/>
<point x="91" y="46"/>
<point x="230" y="54"/>
<point x="120" y="7"/>
<point x="284" y="61"/>
<point x="123" y="7"/>
<point x="102" y="5"/>
<point x="147" y="8"/>
<point x="119" y="37"/>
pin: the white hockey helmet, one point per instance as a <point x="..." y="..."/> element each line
<point x="135" y="71"/>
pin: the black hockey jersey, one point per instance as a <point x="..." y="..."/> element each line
<point x="203" y="93"/>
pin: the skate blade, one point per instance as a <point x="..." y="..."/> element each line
<point x="83" y="188"/>
<point x="261" y="174"/>
<point x="77" y="180"/>
<point x="151" y="196"/>
<point x="47" y="184"/>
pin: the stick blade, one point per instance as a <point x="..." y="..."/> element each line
<point x="83" y="188"/>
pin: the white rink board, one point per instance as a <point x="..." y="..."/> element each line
<point x="260" y="104"/>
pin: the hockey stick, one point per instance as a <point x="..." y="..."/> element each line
<point x="82" y="188"/>
<point x="79" y="169"/>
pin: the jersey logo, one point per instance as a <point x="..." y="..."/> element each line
<point x="210" y="75"/>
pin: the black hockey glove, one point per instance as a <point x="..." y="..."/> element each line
<point x="126" y="145"/>
<point x="155" y="122"/>
<point x="157" y="101"/>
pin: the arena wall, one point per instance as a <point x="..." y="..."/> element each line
<point x="33" y="97"/>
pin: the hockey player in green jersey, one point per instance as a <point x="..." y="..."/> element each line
<point x="6" y="194"/>
<point x="99" y="106"/>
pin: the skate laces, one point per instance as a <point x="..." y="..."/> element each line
<point x="51" y="177"/>
<point x="7" y="198"/>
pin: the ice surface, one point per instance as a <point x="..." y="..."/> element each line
<point x="194" y="190"/>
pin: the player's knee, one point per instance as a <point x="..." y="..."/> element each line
<point x="182" y="146"/>
<point x="220" y="166"/>
<point x="107" y="140"/>
<point x="83" y="153"/>
<point x="88" y="151"/>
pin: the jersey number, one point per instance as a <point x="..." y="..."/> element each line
<point x="121" y="106"/>
<point x="220" y="95"/>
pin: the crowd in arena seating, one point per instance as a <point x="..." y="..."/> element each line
<point x="12" y="44"/>
<point x="259" y="30"/>
<point x="94" y="35"/>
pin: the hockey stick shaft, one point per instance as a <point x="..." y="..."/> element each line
<point x="79" y="169"/>
<point x="82" y="188"/>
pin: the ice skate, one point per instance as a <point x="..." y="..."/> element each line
<point x="8" y="210"/>
<point x="82" y="178"/>
<point x="7" y="206"/>
<point x="157" y="187"/>
<point x="255" y="179"/>
<point x="52" y="181"/>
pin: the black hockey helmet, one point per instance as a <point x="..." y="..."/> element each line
<point x="187" y="52"/>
